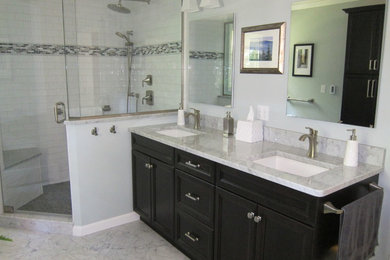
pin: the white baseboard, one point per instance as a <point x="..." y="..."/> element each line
<point x="80" y="231"/>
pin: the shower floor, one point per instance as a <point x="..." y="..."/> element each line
<point x="55" y="199"/>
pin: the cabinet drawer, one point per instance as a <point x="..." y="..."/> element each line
<point x="195" y="165"/>
<point x="155" y="149"/>
<point x="289" y="202"/>
<point x="195" y="197"/>
<point x="195" y="238"/>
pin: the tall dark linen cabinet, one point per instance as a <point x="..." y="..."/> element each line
<point x="362" y="64"/>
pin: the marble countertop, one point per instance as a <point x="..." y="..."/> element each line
<point x="210" y="144"/>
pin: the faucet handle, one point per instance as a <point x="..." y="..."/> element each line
<point x="196" y="111"/>
<point x="312" y="131"/>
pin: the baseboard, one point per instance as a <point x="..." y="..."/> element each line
<point x="80" y="231"/>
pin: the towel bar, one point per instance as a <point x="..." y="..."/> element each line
<point x="329" y="208"/>
<point x="310" y="100"/>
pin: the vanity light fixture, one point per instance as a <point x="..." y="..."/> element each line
<point x="210" y="3"/>
<point x="190" y="6"/>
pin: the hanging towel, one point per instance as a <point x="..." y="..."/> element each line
<point x="359" y="225"/>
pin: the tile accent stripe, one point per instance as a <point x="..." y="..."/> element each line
<point x="165" y="48"/>
<point x="77" y="50"/>
<point x="206" y="55"/>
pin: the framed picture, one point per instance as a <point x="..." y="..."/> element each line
<point x="303" y="60"/>
<point x="262" y="48"/>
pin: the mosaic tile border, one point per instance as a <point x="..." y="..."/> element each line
<point x="206" y="55"/>
<point x="77" y="50"/>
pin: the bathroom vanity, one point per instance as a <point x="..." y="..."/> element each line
<point x="213" y="198"/>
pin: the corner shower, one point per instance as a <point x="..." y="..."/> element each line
<point x="68" y="52"/>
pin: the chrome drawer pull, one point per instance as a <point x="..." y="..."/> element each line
<point x="375" y="64"/>
<point x="191" y="237"/>
<point x="192" y="197"/>
<point x="368" y="88"/>
<point x="372" y="88"/>
<point x="257" y="219"/>
<point x="196" y="166"/>
<point x="370" y="65"/>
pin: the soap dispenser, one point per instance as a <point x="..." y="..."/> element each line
<point x="352" y="150"/>
<point x="180" y="115"/>
<point x="228" y="125"/>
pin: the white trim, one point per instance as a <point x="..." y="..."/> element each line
<point x="80" y="231"/>
<point x="317" y="3"/>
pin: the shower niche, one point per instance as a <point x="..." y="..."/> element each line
<point x="110" y="51"/>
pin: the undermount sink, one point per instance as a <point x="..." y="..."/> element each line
<point x="176" y="133"/>
<point x="291" y="166"/>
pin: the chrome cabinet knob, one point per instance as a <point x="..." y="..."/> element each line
<point x="257" y="219"/>
<point x="148" y="166"/>
<point x="251" y="215"/>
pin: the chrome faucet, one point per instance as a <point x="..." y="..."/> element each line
<point x="312" y="136"/>
<point x="196" y="116"/>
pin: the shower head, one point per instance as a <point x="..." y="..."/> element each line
<point x="119" y="8"/>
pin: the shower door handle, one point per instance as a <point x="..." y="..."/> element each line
<point x="59" y="112"/>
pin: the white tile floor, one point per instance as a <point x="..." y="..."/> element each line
<point x="131" y="241"/>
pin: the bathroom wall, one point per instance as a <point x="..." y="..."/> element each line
<point x="271" y="90"/>
<point x="31" y="83"/>
<point x="100" y="167"/>
<point x="328" y="63"/>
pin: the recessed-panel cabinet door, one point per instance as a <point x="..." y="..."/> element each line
<point x="359" y="100"/>
<point x="281" y="238"/>
<point x="163" y="197"/>
<point x="141" y="185"/>
<point x="234" y="227"/>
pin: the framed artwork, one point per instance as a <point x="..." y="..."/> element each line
<point x="262" y="48"/>
<point x="303" y="60"/>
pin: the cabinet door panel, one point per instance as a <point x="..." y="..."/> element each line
<point x="280" y="237"/>
<point x="359" y="99"/>
<point x="234" y="231"/>
<point x="141" y="186"/>
<point x="360" y="35"/>
<point x="163" y="197"/>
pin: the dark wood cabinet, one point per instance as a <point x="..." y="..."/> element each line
<point x="246" y="230"/>
<point x="362" y="64"/>
<point x="142" y="195"/>
<point x="235" y="231"/>
<point x="163" y="197"/>
<point x="212" y="211"/>
<point x="280" y="237"/>
<point x="153" y="191"/>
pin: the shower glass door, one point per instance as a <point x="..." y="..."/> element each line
<point x="33" y="161"/>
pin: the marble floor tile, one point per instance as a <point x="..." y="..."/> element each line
<point x="132" y="241"/>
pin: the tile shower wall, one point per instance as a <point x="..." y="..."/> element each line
<point x="30" y="85"/>
<point x="154" y="24"/>
<point x="96" y="81"/>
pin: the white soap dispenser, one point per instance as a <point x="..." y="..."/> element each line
<point x="352" y="150"/>
<point x="180" y="115"/>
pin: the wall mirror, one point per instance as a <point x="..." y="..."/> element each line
<point x="211" y="61"/>
<point x="335" y="49"/>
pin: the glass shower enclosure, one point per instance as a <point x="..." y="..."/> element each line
<point x="94" y="60"/>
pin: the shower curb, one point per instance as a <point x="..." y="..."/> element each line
<point x="51" y="223"/>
